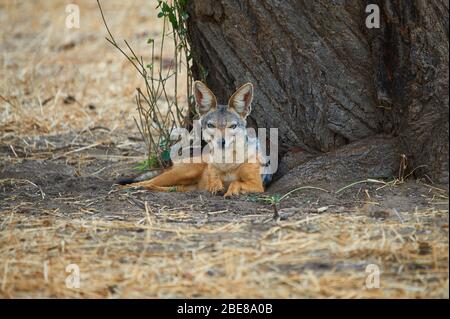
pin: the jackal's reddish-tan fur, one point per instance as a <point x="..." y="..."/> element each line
<point x="234" y="178"/>
<point x="202" y="176"/>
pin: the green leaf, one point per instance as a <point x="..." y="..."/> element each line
<point x="150" y="40"/>
<point x="151" y="162"/>
<point x="166" y="8"/>
<point x="161" y="14"/>
<point x="173" y="20"/>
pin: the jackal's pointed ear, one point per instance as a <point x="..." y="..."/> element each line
<point x="204" y="98"/>
<point x="241" y="100"/>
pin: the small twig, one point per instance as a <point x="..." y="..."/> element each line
<point x="276" y="213"/>
<point x="79" y="149"/>
<point x="6" y="100"/>
<point x="300" y="188"/>
<point x="360" y="182"/>
<point x="410" y="173"/>
<point x="398" y="215"/>
<point x="26" y="181"/>
<point x="12" y="149"/>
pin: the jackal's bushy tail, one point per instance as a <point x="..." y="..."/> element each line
<point x="140" y="178"/>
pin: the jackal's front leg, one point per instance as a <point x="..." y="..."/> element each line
<point x="249" y="181"/>
<point x="238" y="187"/>
<point x="214" y="184"/>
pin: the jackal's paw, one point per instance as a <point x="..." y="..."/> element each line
<point x="215" y="187"/>
<point x="233" y="189"/>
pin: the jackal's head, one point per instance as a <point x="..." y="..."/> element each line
<point x="222" y="125"/>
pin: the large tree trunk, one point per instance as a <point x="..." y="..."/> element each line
<point x="325" y="80"/>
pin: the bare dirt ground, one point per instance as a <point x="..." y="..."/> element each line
<point x="67" y="132"/>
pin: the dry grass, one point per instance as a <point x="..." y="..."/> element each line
<point x="42" y="63"/>
<point x="154" y="250"/>
<point x="149" y="256"/>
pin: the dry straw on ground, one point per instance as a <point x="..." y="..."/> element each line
<point x="159" y="253"/>
<point x="67" y="130"/>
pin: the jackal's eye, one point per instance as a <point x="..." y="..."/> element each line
<point x="210" y="125"/>
<point x="233" y="126"/>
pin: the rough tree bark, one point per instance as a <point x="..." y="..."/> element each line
<point x="327" y="81"/>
